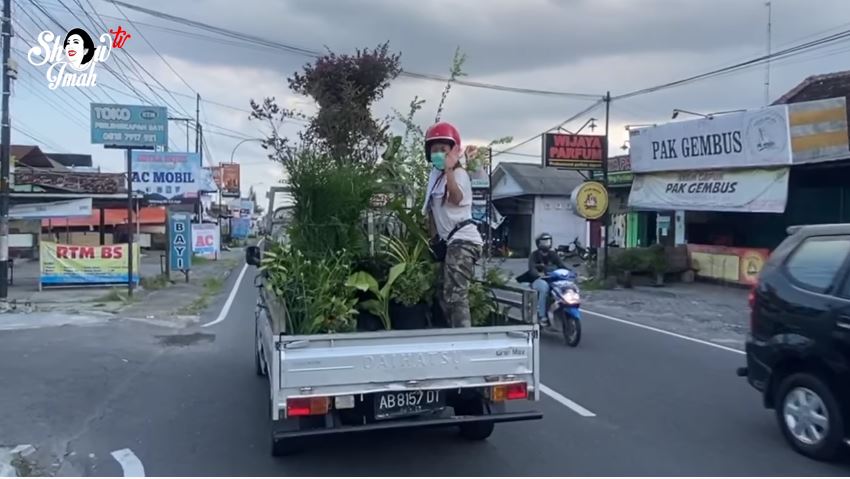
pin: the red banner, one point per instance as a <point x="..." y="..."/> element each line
<point x="230" y="180"/>
<point x="573" y="152"/>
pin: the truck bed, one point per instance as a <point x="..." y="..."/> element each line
<point x="358" y="363"/>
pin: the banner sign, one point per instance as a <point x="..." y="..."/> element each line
<point x="573" y="152"/>
<point x="240" y="227"/>
<point x="230" y="180"/>
<point x="54" y="209"/>
<point x="179" y="236"/>
<point x="206" y="239"/>
<point x="62" y="264"/>
<point x="164" y="177"/>
<point x="129" y="126"/>
<point x="819" y="130"/>
<point x="246" y="208"/>
<point x="479" y="168"/>
<point x="736" y="265"/>
<point x="619" y="171"/>
<point x="755" y="191"/>
<point x="748" y="139"/>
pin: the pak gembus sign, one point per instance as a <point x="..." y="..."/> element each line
<point x="753" y="190"/>
<point x="750" y="139"/>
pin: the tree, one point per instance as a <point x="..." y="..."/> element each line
<point x="344" y="87"/>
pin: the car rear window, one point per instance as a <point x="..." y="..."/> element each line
<point x="816" y="261"/>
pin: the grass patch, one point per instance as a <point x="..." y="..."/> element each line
<point x="155" y="282"/>
<point x="198" y="260"/>
<point x="114" y="295"/>
<point x="212" y="286"/>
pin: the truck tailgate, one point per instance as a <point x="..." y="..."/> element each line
<point x="386" y="360"/>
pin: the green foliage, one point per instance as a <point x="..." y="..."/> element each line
<point x="629" y="260"/>
<point x="455" y="73"/>
<point x="380" y="305"/>
<point x="329" y="203"/>
<point x="345" y="87"/>
<point x="483" y="306"/>
<point x="656" y="259"/>
<point x="315" y="292"/>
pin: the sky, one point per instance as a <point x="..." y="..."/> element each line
<point x="581" y="46"/>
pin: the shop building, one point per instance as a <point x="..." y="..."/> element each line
<point x="730" y="185"/>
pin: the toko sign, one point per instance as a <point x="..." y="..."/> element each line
<point x="749" y="139"/>
<point x="129" y="126"/>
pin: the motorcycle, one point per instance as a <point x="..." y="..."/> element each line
<point x="565" y="299"/>
<point x="563" y="304"/>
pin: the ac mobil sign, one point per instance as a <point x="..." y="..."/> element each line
<point x="166" y="177"/>
<point x="749" y="139"/>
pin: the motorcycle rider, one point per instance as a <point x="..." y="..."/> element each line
<point x="543" y="260"/>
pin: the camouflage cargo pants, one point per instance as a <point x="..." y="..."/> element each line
<point x="453" y="282"/>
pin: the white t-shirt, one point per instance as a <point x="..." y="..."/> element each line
<point x="448" y="215"/>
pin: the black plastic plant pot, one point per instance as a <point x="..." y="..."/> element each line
<point x="409" y="317"/>
<point x="367" y="321"/>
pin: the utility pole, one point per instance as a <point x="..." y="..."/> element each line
<point x="769" y="48"/>
<point x="5" y="154"/>
<point x="197" y="123"/>
<point x="606" y="218"/>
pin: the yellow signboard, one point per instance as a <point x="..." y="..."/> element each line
<point x="590" y="200"/>
<point x="63" y="264"/>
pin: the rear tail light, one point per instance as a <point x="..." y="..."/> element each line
<point x="509" y="392"/>
<point x="314" y="406"/>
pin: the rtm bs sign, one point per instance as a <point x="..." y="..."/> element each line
<point x="180" y="242"/>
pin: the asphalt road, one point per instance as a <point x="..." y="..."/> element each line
<point x="187" y="403"/>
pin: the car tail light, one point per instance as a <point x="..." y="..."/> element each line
<point x="307" y="406"/>
<point x="509" y="392"/>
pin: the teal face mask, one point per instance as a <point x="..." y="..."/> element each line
<point x="438" y="159"/>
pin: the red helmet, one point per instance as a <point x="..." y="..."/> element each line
<point x="441" y="132"/>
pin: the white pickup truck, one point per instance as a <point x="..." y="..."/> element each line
<point x="332" y="384"/>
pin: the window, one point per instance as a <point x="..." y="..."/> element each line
<point x="817" y="260"/>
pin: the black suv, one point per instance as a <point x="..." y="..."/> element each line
<point x="798" y="349"/>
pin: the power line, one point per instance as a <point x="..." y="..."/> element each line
<point x="315" y="54"/>
<point x="559" y="125"/>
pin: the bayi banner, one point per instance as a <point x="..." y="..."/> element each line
<point x="64" y="265"/>
<point x="165" y="177"/>
<point x="755" y="191"/>
<point x="205" y="240"/>
<point x="738" y="140"/>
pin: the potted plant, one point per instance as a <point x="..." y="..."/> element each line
<point x="378" y="267"/>
<point x="412" y="295"/>
<point x="657" y="263"/>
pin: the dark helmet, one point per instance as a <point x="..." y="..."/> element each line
<point x="544" y="241"/>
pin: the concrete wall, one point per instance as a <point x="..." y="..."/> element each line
<point x="554" y="215"/>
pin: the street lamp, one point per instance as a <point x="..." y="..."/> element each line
<point x="625" y="145"/>
<point x="709" y="116"/>
<point x="632" y="126"/>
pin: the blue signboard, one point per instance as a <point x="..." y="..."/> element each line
<point x="166" y="177"/>
<point x="129" y="126"/>
<point x="180" y="241"/>
<point x="240" y="227"/>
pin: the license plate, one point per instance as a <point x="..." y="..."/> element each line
<point x="406" y="403"/>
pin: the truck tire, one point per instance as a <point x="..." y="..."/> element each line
<point x="477" y="431"/>
<point x="824" y="441"/>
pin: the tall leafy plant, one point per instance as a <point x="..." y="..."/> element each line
<point x="380" y="304"/>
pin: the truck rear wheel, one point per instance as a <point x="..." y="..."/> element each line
<point x="476" y="431"/>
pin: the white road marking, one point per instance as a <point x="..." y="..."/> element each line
<point x="577" y="408"/>
<point x="130" y="464"/>
<point x="668" y="333"/>
<point x="227" y="304"/>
